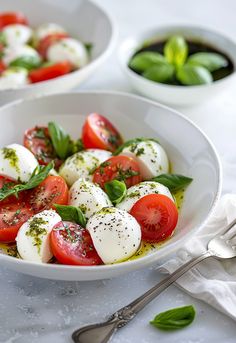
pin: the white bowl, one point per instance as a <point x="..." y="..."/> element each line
<point x="190" y="152"/>
<point x="170" y="94"/>
<point x="81" y="18"/>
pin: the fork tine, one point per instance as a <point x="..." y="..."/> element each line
<point x="228" y="233"/>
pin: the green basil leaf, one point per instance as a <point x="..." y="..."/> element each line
<point x="60" y="139"/>
<point x="176" y="50"/>
<point x="116" y="191"/>
<point x="75" y="146"/>
<point x="174" y="319"/>
<point x="27" y="62"/>
<point x="134" y="142"/>
<point x="174" y="182"/>
<point x="160" y="73"/>
<point x="71" y="213"/>
<point x="192" y="75"/>
<point x="3" y="38"/>
<point x="88" y="47"/>
<point x="209" y="60"/>
<point x="146" y="59"/>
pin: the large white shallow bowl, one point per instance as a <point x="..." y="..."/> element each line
<point x="189" y="150"/>
<point x="82" y="19"/>
<point x="171" y="94"/>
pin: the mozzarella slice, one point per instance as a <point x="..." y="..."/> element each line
<point x="33" y="238"/>
<point x="68" y="49"/>
<point x="44" y="30"/>
<point x="17" y="162"/>
<point x="89" y="197"/>
<point x="11" y="53"/>
<point x="82" y="164"/>
<point x="17" y="34"/>
<point x="13" y="78"/>
<point x="116" y="235"/>
<point x="136" y="192"/>
<point x="150" y="156"/>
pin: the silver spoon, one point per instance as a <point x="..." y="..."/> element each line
<point x="222" y="246"/>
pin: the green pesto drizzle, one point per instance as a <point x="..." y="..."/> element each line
<point x="37" y="231"/>
<point x="10" y="155"/>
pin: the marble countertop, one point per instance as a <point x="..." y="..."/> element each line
<point x="34" y="310"/>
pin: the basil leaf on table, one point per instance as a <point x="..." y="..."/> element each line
<point x="174" y="182"/>
<point x="174" y="319"/>
<point x="160" y="73"/>
<point x="192" y="75"/>
<point x="176" y="50"/>
<point x="27" y="62"/>
<point x="71" y="213"/>
<point x="210" y="60"/>
<point x="146" y="59"/>
<point x="40" y="173"/>
<point x="116" y="191"/>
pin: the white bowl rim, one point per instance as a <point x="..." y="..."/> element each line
<point x="173" y="27"/>
<point x="148" y="259"/>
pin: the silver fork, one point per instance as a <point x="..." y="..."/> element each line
<point x="222" y="246"/>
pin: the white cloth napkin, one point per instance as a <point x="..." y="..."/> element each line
<point x="211" y="281"/>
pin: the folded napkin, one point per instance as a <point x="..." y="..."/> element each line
<point x="211" y="281"/>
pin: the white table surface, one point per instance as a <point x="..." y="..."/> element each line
<point x="44" y="311"/>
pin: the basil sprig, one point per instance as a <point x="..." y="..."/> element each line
<point x="209" y="60"/>
<point x="174" y="182"/>
<point x="174" y="319"/>
<point x="40" y="173"/>
<point x="71" y="213"/>
<point x="176" y="50"/>
<point x="192" y="75"/>
<point x="27" y="62"/>
<point x="116" y="191"/>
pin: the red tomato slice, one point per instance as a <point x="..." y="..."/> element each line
<point x="9" y="18"/>
<point x="47" y="41"/>
<point x="2" y="65"/>
<point x="50" y="72"/>
<point x="72" y="244"/>
<point x="12" y="216"/>
<point x="53" y="190"/>
<point x="38" y="141"/>
<point x="121" y="168"/>
<point x="98" y="132"/>
<point x="157" y="216"/>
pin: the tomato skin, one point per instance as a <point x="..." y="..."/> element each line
<point x="9" y="18"/>
<point x="157" y="215"/>
<point x="11" y="220"/>
<point x="50" y="72"/>
<point x="119" y="168"/>
<point x="79" y="251"/>
<point x="98" y="132"/>
<point x="47" y="41"/>
<point x="2" y="65"/>
<point x="53" y="190"/>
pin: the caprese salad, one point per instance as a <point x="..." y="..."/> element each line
<point x="96" y="200"/>
<point x="30" y="55"/>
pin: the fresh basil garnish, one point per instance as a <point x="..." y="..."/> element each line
<point x="160" y="73"/>
<point x="40" y="173"/>
<point x="174" y="319"/>
<point x="174" y="182"/>
<point x="116" y="191"/>
<point x="26" y="62"/>
<point x="133" y="142"/>
<point x="193" y="75"/>
<point x="176" y="50"/>
<point x="88" y="47"/>
<point x="71" y="213"/>
<point x="210" y="60"/>
<point x="146" y="59"/>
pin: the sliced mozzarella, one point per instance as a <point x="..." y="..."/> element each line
<point x="81" y="164"/>
<point x="89" y="197"/>
<point x="33" y="238"/>
<point x="116" y="235"/>
<point x="151" y="157"/>
<point x="68" y="49"/>
<point x="13" y="78"/>
<point x="11" y="53"/>
<point x="17" y="34"/>
<point x="44" y="30"/>
<point x="17" y="162"/>
<point x="136" y="192"/>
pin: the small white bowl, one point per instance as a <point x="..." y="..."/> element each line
<point x="170" y="94"/>
<point x="190" y="152"/>
<point x="81" y="18"/>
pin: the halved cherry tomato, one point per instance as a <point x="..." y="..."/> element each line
<point x="53" y="190"/>
<point x="157" y="216"/>
<point x="12" y="216"/>
<point x="47" y="41"/>
<point x="2" y="65"/>
<point x="121" y="168"/>
<point x="50" y="72"/>
<point x="38" y="141"/>
<point x="72" y="244"/>
<point x="9" y="18"/>
<point x="98" y="132"/>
